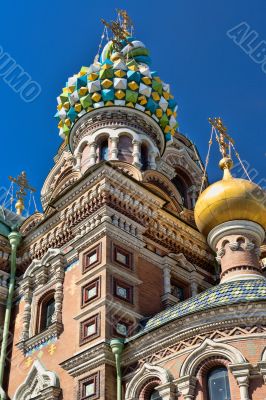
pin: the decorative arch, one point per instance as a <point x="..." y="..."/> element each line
<point x="62" y="174"/>
<point x="165" y="186"/>
<point x="207" y="350"/>
<point x="39" y="382"/>
<point x="46" y="259"/>
<point x="144" y="375"/>
<point x="31" y="221"/>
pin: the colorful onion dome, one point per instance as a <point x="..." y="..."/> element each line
<point x="230" y="199"/>
<point x="121" y="79"/>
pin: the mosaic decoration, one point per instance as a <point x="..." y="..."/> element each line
<point x="221" y="295"/>
<point x="51" y="349"/>
<point x="121" y="79"/>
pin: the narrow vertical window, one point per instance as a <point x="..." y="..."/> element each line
<point x="218" y="384"/>
<point x="47" y="312"/>
<point x="104" y="150"/>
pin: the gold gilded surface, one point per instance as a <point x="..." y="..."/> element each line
<point x="230" y="199"/>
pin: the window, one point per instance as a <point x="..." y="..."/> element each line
<point x="125" y="149"/>
<point x="89" y="329"/>
<point x="218" y="384"/>
<point x="103" y="150"/>
<point x="123" y="291"/>
<point x="122" y="257"/>
<point x="92" y="258"/>
<point x="47" y="310"/>
<point x="144" y="156"/>
<point x="89" y="388"/>
<point x="179" y="290"/>
<point x="91" y="292"/>
<point x="155" y="395"/>
<point x="122" y="328"/>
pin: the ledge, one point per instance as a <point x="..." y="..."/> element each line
<point x="52" y="332"/>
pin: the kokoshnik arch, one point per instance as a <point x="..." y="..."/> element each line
<point x="138" y="280"/>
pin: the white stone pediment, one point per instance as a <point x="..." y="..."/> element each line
<point x="38" y="380"/>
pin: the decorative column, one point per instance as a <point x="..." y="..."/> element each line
<point x="168" y="299"/>
<point x="193" y="195"/>
<point x="136" y="153"/>
<point x="114" y="148"/>
<point x="152" y="163"/>
<point x="93" y="154"/>
<point x="194" y="288"/>
<point x="167" y="280"/>
<point x="241" y="373"/>
<point x="237" y="244"/>
<point x="58" y="296"/>
<point x="166" y="391"/>
<point x="186" y="385"/>
<point x="27" y="296"/>
<point x="78" y="162"/>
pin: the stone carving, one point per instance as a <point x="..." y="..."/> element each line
<point x="40" y="383"/>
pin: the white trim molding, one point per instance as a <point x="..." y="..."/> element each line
<point x="238" y="365"/>
<point x="262" y="365"/>
<point x="146" y="372"/>
<point x="40" y="383"/>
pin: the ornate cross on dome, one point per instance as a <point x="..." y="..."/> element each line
<point x="23" y="185"/>
<point x="224" y="140"/>
<point x="119" y="29"/>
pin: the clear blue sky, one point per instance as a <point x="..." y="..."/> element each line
<point x="209" y="74"/>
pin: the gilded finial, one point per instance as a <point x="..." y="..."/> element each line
<point x="119" y="29"/>
<point x="224" y="141"/>
<point x="23" y="185"/>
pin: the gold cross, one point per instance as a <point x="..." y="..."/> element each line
<point x="23" y="185"/>
<point x="120" y="31"/>
<point x="224" y="139"/>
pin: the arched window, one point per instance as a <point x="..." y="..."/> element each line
<point x="155" y="395"/>
<point x="182" y="188"/>
<point x="47" y="311"/>
<point x="144" y="156"/>
<point x="103" y="150"/>
<point x="218" y="384"/>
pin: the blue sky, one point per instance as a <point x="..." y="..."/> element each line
<point x="209" y="74"/>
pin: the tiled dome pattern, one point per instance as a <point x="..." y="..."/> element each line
<point x="227" y="293"/>
<point x="120" y="83"/>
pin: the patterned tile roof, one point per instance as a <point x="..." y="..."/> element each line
<point x="224" y="294"/>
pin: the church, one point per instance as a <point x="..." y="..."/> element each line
<point x="139" y="280"/>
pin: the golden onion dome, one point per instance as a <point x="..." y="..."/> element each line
<point x="230" y="199"/>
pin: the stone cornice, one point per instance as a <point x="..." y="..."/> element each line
<point x="89" y="358"/>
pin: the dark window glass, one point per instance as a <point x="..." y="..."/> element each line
<point x="155" y="395"/>
<point x="178" y="292"/>
<point x="144" y="157"/>
<point x="104" y="151"/>
<point x="218" y="384"/>
<point x="49" y="308"/>
<point x="181" y="187"/>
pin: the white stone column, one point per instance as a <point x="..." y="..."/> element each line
<point x="152" y="163"/>
<point x="93" y="154"/>
<point x="167" y="280"/>
<point x="78" y="162"/>
<point x="241" y="373"/>
<point x="186" y="385"/>
<point x="194" y="288"/>
<point x="136" y="153"/>
<point x="166" y="391"/>
<point x="114" y="148"/>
